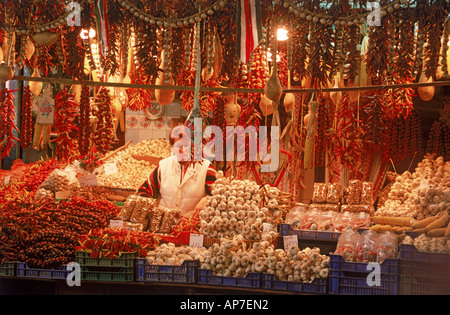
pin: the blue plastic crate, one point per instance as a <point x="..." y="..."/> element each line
<point x="287" y="229"/>
<point x="351" y="278"/>
<point x="423" y="273"/>
<point x="186" y="273"/>
<point x="318" y="286"/>
<point x="23" y="270"/>
<point x="251" y="280"/>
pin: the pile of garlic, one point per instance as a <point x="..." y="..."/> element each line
<point x="169" y="254"/>
<point x="421" y="194"/>
<point x="232" y="258"/>
<point x="158" y="148"/>
<point x="132" y="173"/>
<point x="240" y="207"/>
<point x="424" y="243"/>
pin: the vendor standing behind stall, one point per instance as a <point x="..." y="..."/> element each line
<point x="180" y="185"/>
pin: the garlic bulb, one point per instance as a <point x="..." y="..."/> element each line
<point x="421" y="194"/>
<point x="241" y="207"/>
<point x="234" y="257"/>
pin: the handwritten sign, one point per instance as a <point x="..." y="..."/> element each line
<point x="196" y="240"/>
<point x="110" y="168"/>
<point x="88" y="180"/>
<point x="115" y="224"/>
<point x="7" y="180"/>
<point x="290" y="241"/>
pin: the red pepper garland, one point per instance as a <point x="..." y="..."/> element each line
<point x="7" y="123"/>
<point x="26" y="127"/>
<point x="104" y="136"/>
<point x="65" y="113"/>
<point x="84" y="124"/>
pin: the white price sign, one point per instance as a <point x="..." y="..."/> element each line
<point x="267" y="227"/>
<point x="115" y="224"/>
<point x="290" y="241"/>
<point x="7" y="180"/>
<point x="110" y="168"/>
<point x="196" y="240"/>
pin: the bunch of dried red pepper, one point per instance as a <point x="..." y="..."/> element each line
<point x="7" y="123"/>
<point x="26" y="127"/>
<point x="112" y="243"/>
<point x="22" y="220"/>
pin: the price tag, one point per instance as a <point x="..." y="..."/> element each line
<point x="115" y="224"/>
<point x="88" y="180"/>
<point x="7" y="180"/>
<point x="290" y="241"/>
<point x="196" y="240"/>
<point x="110" y="168"/>
<point x="63" y="194"/>
<point x="267" y="227"/>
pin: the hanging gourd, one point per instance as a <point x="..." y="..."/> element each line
<point x="46" y="38"/>
<point x="166" y="96"/>
<point x="426" y="93"/>
<point x="310" y="125"/>
<point x="232" y="110"/>
<point x="7" y="70"/>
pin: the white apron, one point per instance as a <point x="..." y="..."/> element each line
<point x="186" y="194"/>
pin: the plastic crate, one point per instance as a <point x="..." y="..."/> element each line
<point x="186" y="273"/>
<point x="318" y="286"/>
<point x="182" y="239"/>
<point x="287" y="229"/>
<point x="23" y="270"/>
<point x="351" y="278"/>
<point x="120" y="274"/>
<point x="125" y="260"/>
<point x="251" y="280"/>
<point x="106" y="269"/>
<point x="423" y="273"/>
<point x="8" y="269"/>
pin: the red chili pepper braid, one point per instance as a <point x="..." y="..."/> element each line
<point x="7" y="123"/>
<point x="26" y="128"/>
<point x="65" y="113"/>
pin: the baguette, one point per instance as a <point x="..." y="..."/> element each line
<point x="436" y="232"/>
<point x="436" y="224"/>
<point x="399" y="221"/>
<point x="447" y="231"/>
<point x="423" y="223"/>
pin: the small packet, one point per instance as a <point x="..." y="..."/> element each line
<point x="155" y="220"/>
<point x="334" y="193"/>
<point x="170" y="218"/>
<point x="387" y="246"/>
<point x="367" y="247"/>
<point x="367" y="193"/>
<point x="319" y="193"/>
<point x="346" y="246"/>
<point x="354" y="192"/>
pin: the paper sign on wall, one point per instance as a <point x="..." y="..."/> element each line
<point x="196" y="240"/>
<point x="45" y="109"/>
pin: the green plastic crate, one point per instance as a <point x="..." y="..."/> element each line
<point x="125" y="260"/>
<point x="7" y="269"/>
<point x="107" y="274"/>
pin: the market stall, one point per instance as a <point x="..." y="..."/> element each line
<point x="316" y="134"/>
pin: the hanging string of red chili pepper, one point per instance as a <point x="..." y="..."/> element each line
<point x="84" y="125"/>
<point x="112" y="243"/>
<point x="104" y="136"/>
<point x="65" y="114"/>
<point x="26" y="126"/>
<point x="7" y="123"/>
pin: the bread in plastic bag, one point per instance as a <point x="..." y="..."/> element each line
<point x="319" y="193"/>
<point x="334" y="193"/>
